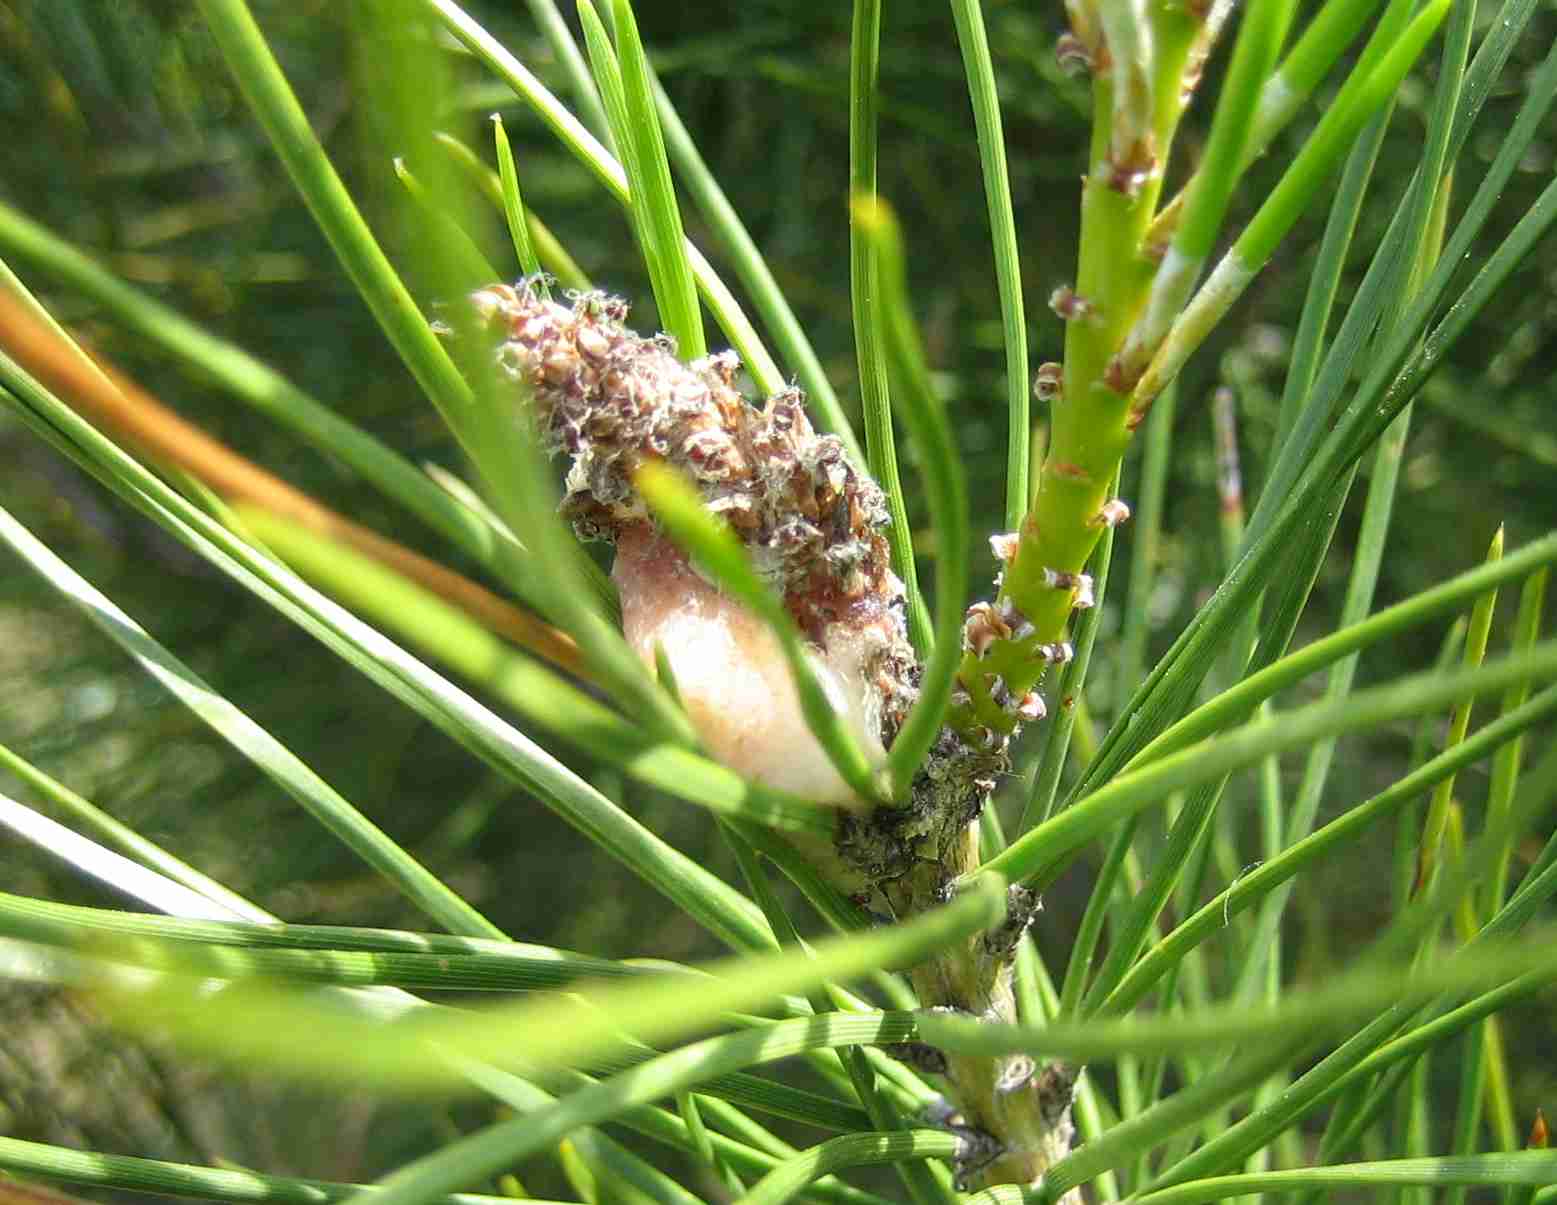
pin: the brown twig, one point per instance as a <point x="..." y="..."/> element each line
<point x="21" y="1192"/>
<point x="102" y="394"/>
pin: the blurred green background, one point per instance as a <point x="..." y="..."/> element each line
<point x="126" y="136"/>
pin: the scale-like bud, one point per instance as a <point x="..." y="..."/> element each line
<point x="812" y="523"/>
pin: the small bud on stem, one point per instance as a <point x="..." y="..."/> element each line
<point x="812" y="525"/>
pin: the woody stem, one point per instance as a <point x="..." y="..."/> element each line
<point x="1010" y="643"/>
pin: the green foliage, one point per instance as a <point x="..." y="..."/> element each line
<point x="1260" y="1007"/>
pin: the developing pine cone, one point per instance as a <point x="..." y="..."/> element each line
<point x="812" y="523"/>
